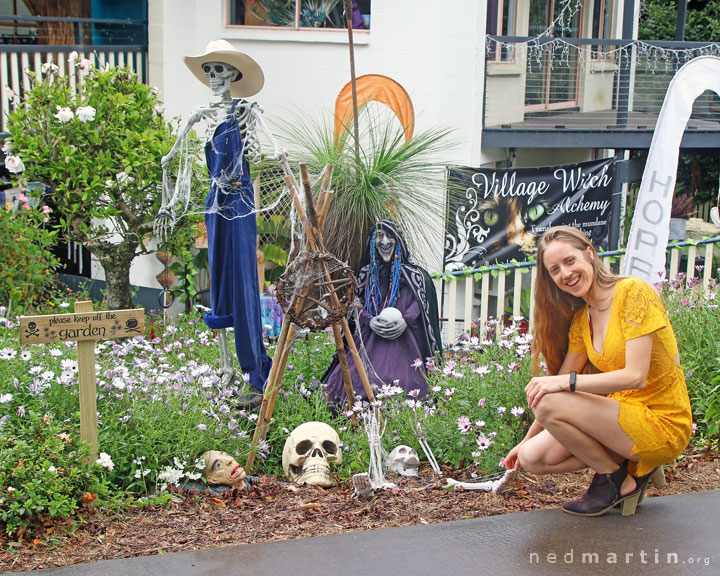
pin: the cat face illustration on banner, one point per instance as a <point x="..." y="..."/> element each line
<point x="496" y="215"/>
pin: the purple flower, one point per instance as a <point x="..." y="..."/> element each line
<point x="21" y="411"/>
<point x="201" y="427"/>
<point x="501" y="464"/>
<point x="464" y="425"/>
<point x="481" y="403"/>
<point x="481" y="370"/>
<point x="501" y="410"/>
<point x="483" y="442"/>
<point x="517" y="410"/>
<point x="417" y="364"/>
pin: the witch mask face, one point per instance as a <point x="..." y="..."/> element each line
<point x="221" y="468"/>
<point x="385" y="245"/>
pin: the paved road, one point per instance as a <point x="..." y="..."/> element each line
<point x="668" y="536"/>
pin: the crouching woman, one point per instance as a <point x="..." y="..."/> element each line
<point x="624" y="422"/>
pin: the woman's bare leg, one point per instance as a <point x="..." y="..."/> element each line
<point x="587" y="426"/>
<point x="543" y="454"/>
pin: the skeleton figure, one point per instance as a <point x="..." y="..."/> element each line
<point x="221" y="468"/>
<point x="231" y="143"/>
<point x="311" y="453"/>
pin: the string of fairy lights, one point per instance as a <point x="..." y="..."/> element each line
<point x="550" y="48"/>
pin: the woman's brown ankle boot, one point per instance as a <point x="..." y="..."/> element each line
<point x="656" y="476"/>
<point x="603" y="494"/>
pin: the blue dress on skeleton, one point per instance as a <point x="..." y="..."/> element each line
<point x="232" y="241"/>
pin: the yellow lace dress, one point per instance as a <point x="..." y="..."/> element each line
<point x="657" y="418"/>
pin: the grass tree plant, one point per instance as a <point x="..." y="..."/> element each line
<point x="388" y="177"/>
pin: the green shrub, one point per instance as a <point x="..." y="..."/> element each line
<point x="42" y="472"/>
<point x="695" y="317"/>
<point x="27" y="265"/>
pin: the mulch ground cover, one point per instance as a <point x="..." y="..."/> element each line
<point x="272" y="510"/>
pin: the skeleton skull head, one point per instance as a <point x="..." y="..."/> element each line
<point x="221" y="468"/>
<point x="220" y="75"/>
<point x="310" y="454"/>
<point x="403" y="460"/>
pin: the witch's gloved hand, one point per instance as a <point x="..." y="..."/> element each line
<point x="388" y="329"/>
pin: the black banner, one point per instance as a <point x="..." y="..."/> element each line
<point x="496" y="215"/>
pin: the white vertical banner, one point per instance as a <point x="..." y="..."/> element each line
<point x="651" y="222"/>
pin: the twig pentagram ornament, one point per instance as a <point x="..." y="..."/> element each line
<point x="311" y="280"/>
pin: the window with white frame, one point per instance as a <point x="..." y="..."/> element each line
<point x="501" y="18"/>
<point x="297" y="14"/>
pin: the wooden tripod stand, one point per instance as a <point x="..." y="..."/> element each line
<point x="312" y="223"/>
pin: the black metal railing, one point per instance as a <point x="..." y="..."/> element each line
<point x="73" y="33"/>
<point x="587" y="84"/>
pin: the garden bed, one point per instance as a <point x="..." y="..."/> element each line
<point x="161" y="404"/>
<point x="271" y="511"/>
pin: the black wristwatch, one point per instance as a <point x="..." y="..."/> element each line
<point x="573" y="378"/>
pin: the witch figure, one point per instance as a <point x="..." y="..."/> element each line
<point x="398" y="323"/>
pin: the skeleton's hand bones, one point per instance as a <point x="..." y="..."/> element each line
<point x="164" y="222"/>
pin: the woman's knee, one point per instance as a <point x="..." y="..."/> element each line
<point x="532" y="460"/>
<point x="549" y="406"/>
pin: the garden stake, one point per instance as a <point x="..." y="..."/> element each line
<point x="84" y="326"/>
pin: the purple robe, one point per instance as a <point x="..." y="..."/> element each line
<point x="390" y="359"/>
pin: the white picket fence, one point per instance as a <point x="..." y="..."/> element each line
<point x="469" y="298"/>
<point x="13" y="64"/>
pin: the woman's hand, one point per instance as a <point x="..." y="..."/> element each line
<point x="511" y="460"/>
<point x="539" y="386"/>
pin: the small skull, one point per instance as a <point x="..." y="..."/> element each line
<point x="310" y="454"/>
<point x="220" y="75"/>
<point x="403" y="460"/>
<point x="221" y="468"/>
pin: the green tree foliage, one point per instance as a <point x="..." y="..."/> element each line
<point x="99" y="148"/>
<point x="658" y="18"/>
<point x="26" y="263"/>
<point x="697" y="173"/>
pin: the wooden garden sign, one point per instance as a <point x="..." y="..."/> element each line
<point x="84" y="326"/>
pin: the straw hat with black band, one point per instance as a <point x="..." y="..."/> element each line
<point x="251" y="78"/>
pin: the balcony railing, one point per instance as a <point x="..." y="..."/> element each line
<point x="587" y="85"/>
<point x="103" y="41"/>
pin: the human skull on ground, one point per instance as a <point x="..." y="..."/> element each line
<point x="310" y="454"/>
<point x="221" y="468"/>
<point x="403" y="460"/>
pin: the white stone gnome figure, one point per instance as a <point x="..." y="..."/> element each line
<point x="231" y="144"/>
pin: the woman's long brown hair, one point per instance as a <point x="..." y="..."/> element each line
<point x="554" y="308"/>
